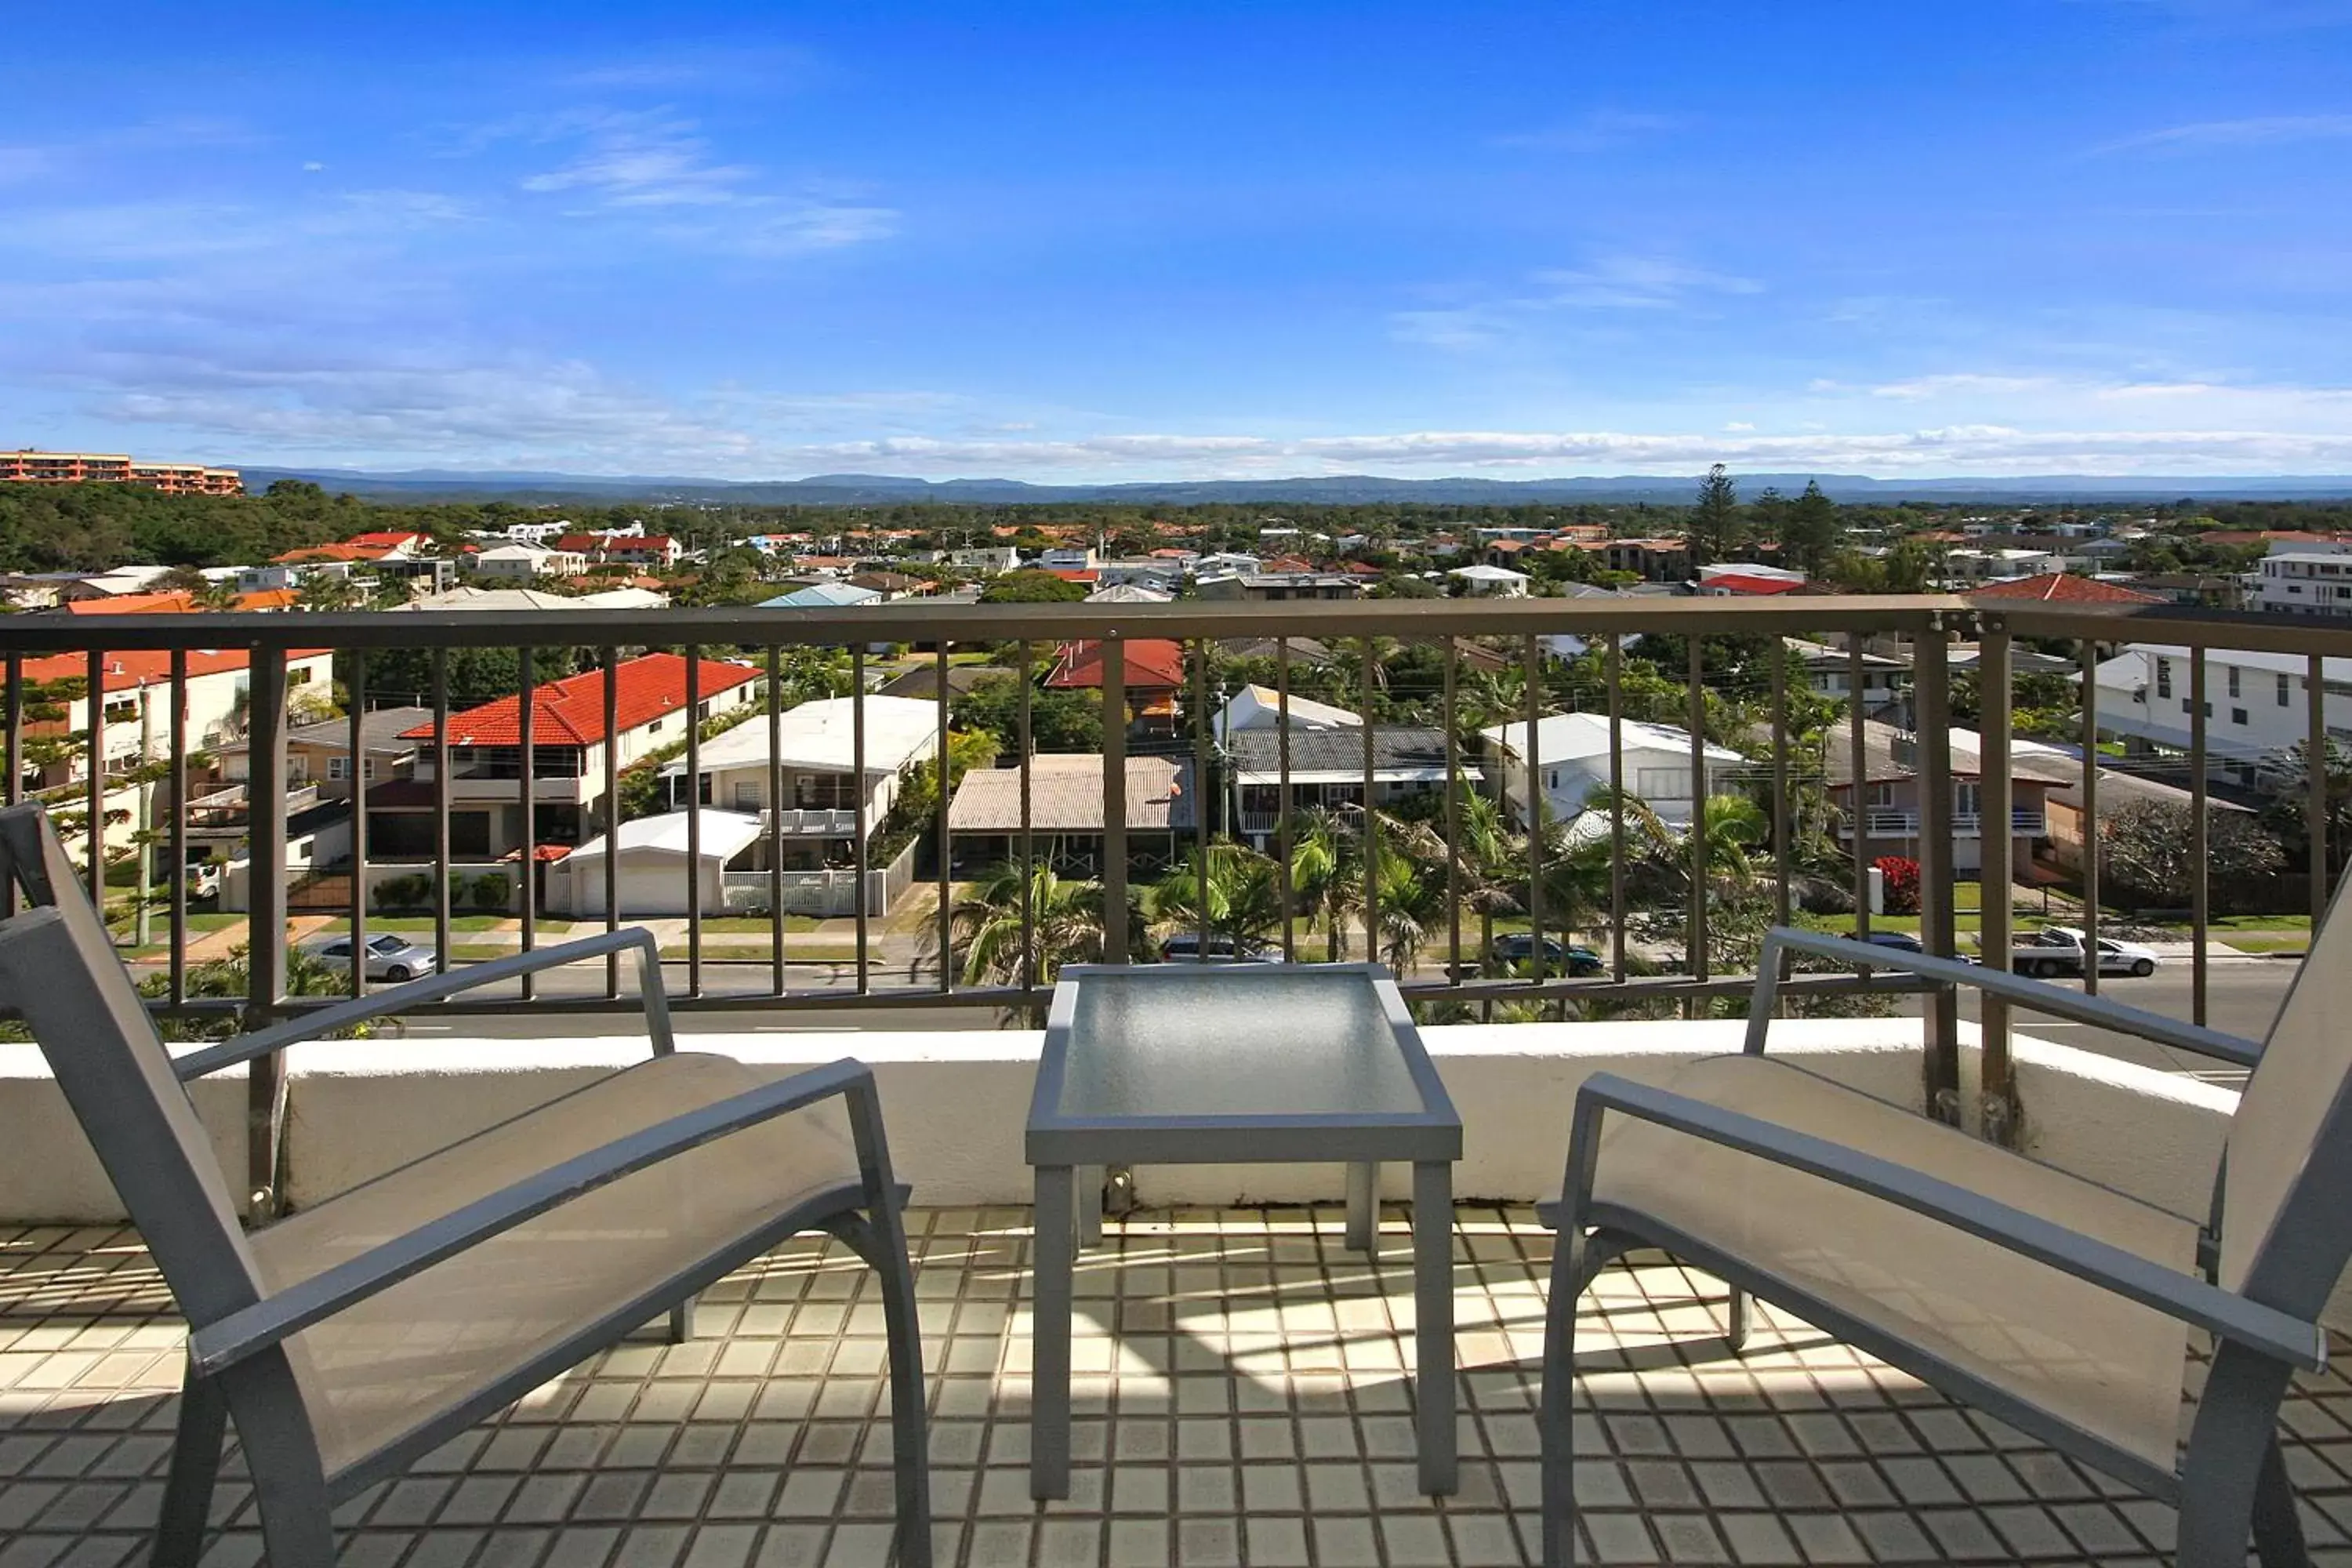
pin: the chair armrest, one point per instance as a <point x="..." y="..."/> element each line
<point x="312" y="1024"/>
<point x="2185" y="1296"/>
<point x="2038" y="994"/>
<point x="242" y="1334"/>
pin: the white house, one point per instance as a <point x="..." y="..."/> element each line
<point x="1571" y="751"/>
<point x="1260" y="708"/>
<point x="2255" y="703"/>
<point x="523" y="563"/>
<point x="816" y="747"/>
<point x="988" y="559"/>
<point x="1484" y="581"/>
<point x="1067" y="558"/>
<point x="2309" y="580"/>
<point x="1989" y="565"/>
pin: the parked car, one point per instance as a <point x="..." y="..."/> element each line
<point x="389" y="957"/>
<point x="1519" y="947"/>
<point x="1184" y="947"/>
<point x="2058" y="950"/>
<point x="1901" y="940"/>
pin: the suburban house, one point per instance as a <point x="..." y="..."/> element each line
<point x="569" y="739"/>
<point x="1283" y="585"/>
<point x="2064" y="588"/>
<point x="2256" y="704"/>
<point x="523" y="563"/>
<point x="2062" y="805"/>
<point x="650" y="861"/>
<point x="823" y="597"/>
<point x="1065" y="813"/>
<point x="1153" y="680"/>
<point x="1829" y="672"/>
<point x="658" y="551"/>
<point x="135" y="716"/>
<point x="1326" y="759"/>
<point x="2305" y="583"/>
<point x="816" y="745"/>
<point x="320" y="755"/>
<point x="1651" y="560"/>
<point x="1891" y="807"/>
<point x="1747" y="580"/>
<point x="1572" y="754"/>
<point x="1486" y="581"/>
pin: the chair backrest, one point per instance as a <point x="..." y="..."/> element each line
<point x="31" y="859"/>
<point x="59" y="970"/>
<point x="2286" y="1231"/>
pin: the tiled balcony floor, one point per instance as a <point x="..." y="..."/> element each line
<point x="1252" y="1409"/>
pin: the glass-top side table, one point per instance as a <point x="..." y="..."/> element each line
<point x="1238" y="1064"/>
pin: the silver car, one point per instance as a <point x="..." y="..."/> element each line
<point x="393" y="958"/>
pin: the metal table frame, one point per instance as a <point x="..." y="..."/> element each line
<point x="1068" y="1153"/>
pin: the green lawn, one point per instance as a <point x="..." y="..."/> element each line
<point x="759" y="925"/>
<point x="410" y="924"/>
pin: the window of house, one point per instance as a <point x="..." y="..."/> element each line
<point x="656" y="727"/>
<point x="1663" y="784"/>
<point x="2163" y="677"/>
<point x="2234" y="681"/>
<point x="122" y="712"/>
<point x="297" y="677"/>
<point x="2237" y="715"/>
<point x="2286" y="682"/>
<point x="747" y="794"/>
<point x="1882" y="794"/>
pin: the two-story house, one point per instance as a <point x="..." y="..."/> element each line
<point x="815" y="818"/>
<point x="1572" y="754"/>
<point x="1326" y="759"/>
<point x="1886" y="814"/>
<point x="569" y="739"/>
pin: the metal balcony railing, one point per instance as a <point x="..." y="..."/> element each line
<point x="1490" y="667"/>
<point x="1883" y="822"/>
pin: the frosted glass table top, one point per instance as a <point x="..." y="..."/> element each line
<point x="1234" y="1040"/>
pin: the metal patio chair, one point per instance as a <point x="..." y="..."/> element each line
<point x="349" y="1340"/>
<point x="2058" y="1306"/>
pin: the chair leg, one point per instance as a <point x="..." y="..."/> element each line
<point x="1556" y="1421"/>
<point x="196" y="1462"/>
<point x="2278" y="1530"/>
<point x="909" y="1438"/>
<point x="681" y="1321"/>
<point x="300" y="1528"/>
<point x="1734" y="1333"/>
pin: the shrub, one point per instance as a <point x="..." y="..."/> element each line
<point x="1899" y="875"/>
<point x="492" y="890"/>
<point x="398" y="895"/>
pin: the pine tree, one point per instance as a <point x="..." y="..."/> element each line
<point x="1715" y="521"/>
<point x="1809" y="532"/>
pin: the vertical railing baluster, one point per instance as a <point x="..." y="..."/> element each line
<point x="1114" y="870"/>
<point x="1615" y="672"/>
<point x="2090" y="837"/>
<point x="2314" y="769"/>
<point x="1997" y="1100"/>
<point x="2197" y="844"/>
<point x="1698" y="848"/>
<point x="441" y="811"/>
<point x="612" y="867"/>
<point x="14" y="739"/>
<point x="1201" y="802"/>
<point x="1372" y="813"/>
<point x="526" y="887"/>
<point x="857" y="765"/>
<point x="694" y="822"/>
<point x="356" y="778"/>
<point x="1539" y="809"/>
<point x="265" y="1103"/>
<point x="94" y="792"/>
<point x="946" y="912"/>
<point x="1932" y="657"/>
<point x="1028" y="829"/>
<point x="1282" y="799"/>
<point x="179" y="884"/>
<point x="775" y="793"/>
<point x="1781" y="848"/>
<point x="1858" y="792"/>
<point x="1453" y="812"/>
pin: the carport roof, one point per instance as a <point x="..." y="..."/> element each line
<point x="725" y="834"/>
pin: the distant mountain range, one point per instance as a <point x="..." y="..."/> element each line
<point x="885" y="490"/>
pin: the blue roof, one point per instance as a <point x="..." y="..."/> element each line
<point x="821" y="596"/>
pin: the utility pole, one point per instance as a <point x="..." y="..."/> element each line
<point x="144" y="852"/>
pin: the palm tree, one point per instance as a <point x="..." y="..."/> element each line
<point x="1244" y="896"/>
<point x="1325" y="871"/>
<point x="984" y="928"/>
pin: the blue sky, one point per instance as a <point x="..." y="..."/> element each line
<point x="1097" y="241"/>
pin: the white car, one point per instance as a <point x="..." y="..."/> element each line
<point x="2058" y="950"/>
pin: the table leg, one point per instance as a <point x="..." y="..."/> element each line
<point x="1049" y="1402"/>
<point x="1090" y="1189"/>
<point x="1363" y="1205"/>
<point x="1433" y="1288"/>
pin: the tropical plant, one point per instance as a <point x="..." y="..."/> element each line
<point x="1241" y="893"/>
<point x="985" y="925"/>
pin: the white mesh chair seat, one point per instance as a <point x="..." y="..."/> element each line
<point x="391" y="1362"/>
<point x="2078" y="1350"/>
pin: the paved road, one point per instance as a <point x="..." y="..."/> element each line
<point x="2242" y="997"/>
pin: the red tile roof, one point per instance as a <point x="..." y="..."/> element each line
<point x="1740" y="583"/>
<point x="331" y="553"/>
<point x="171" y="602"/>
<point x="651" y="544"/>
<point x="1074" y="574"/>
<point x="571" y="711"/>
<point x="390" y="539"/>
<point x="2070" y="590"/>
<point x="127" y="671"/>
<point x="1153" y="664"/>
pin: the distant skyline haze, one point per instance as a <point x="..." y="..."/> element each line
<point x="1074" y="244"/>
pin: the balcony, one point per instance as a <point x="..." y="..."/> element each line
<point x="1881" y="822"/>
<point x="1240" y="1393"/>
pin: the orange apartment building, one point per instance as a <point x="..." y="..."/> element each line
<point x="117" y="468"/>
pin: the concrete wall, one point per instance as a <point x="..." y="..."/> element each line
<point x="956" y="1102"/>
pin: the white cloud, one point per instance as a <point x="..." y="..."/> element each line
<point x="1737" y="426"/>
<point x="1634" y="282"/>
<point x="1920" y="388"/>
<point x="647" y="163"/>
<point x="2260" y="131"/>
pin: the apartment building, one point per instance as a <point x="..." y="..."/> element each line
<point x="2256" y="704"/>
<point x="27" y="467"/>
<point x="569" y="739"/>
<point x="2307" y="581"/>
